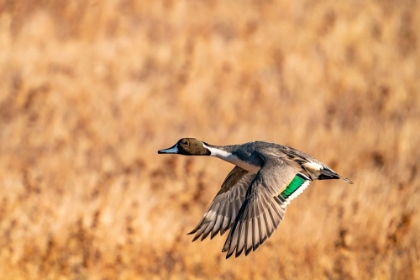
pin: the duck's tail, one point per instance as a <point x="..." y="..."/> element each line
<point x="327" y="174"/>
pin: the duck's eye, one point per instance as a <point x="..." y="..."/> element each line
<point x="186" y="143"/>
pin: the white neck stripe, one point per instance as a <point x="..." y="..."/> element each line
<point x="229" y="157"/>
<point x="218" y="153"/>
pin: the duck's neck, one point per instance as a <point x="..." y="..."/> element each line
<point x="226" y="153"/>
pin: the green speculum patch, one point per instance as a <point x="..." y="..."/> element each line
<point x="293" y="186"/>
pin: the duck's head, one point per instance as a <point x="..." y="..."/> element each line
<point x="188" y="147"/>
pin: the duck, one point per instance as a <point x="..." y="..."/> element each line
<point x="252" y="200"/>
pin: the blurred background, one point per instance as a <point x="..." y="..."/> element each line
<point x="90" y="90"/>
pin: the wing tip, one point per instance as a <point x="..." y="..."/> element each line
<point x="248" y="250"/>
<point x="238" y="253"/>
<point x="196" y="237"/>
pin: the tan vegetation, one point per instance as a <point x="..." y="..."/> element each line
<point x="90" y="90"/>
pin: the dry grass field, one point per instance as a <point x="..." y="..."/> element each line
<point x="90" y="90"/>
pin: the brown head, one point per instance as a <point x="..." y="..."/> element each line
<point x="187" y="147"/>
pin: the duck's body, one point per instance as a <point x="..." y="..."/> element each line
<point x="253" y="198"/>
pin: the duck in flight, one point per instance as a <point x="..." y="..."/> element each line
<point x="253" y="198"/>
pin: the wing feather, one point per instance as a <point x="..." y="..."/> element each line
<point x="262" y="211"/>
<point x="225" y="206"/>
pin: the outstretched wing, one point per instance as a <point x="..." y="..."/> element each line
<point x="263" y="208"/>
<point x="225" y="206"/>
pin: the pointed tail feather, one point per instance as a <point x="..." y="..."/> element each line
<point x="347" y="180"/>
<point x="327" y="174"/>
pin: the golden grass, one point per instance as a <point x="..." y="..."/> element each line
<point x="92" y="89"/>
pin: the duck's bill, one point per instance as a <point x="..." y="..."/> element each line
<point x="171" y="150"/>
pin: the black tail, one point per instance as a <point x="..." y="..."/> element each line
<point x="327" y="174"/>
